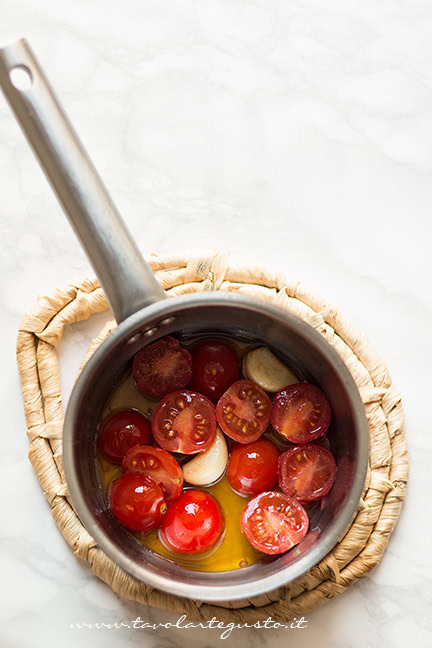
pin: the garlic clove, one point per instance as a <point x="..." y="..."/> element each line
<point x="266" y="370"/>
<point x="206" y="467"/>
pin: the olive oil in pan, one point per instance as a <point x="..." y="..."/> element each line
<point x="233" y="551"/>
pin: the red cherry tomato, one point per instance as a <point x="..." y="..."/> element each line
<point x="252" y="467"/>
<point x="162" y="367"/>
<point x="184" y="421"/>
<point x="121" y="431"/>
<point x="159" y="465"/>
<point x="193" y="524"/>
<point x="243" y="412"/>
<point x="137" y="502"/>
<point x="301" y="413"/>
<point x="215" y="366"/>
<point x="274" y="522"/>
<point x="306" y="472"/>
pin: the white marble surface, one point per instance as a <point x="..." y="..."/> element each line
<point x="295" y="133"/>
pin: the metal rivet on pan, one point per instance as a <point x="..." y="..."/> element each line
<point x="134" y="338"/>
<point x="167" y="320"/>
<point x="150" y="331"/>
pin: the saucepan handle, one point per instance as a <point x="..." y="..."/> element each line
<point x="125" y="276"/>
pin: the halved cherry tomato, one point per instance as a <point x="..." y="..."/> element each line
<point x="301" y="413"/>
<point x="162" y="367"/>
<point x="252" y="467"/>
<point x="159" y="465"/>
<point x="184" y="421"/>
<point x="306" y="472"/>
<point x="121" y="431"/>
<point x="215" y="366"/>
<point x="193" y="524"/>
<point x="274" y="522"/>
<point x="137" y="502"/>
<point x="243" y="412"/>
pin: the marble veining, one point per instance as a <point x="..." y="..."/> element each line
<point x="297" y="134"/>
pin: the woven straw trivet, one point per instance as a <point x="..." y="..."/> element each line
<point x="366" y="537"/>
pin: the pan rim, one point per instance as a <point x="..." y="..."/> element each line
<point x="244" y="588"/>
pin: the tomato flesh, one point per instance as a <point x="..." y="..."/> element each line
<point x="243" y="411"/>
<point x="215" y="367"/>
<point x="162" y="367"/>
<point x="252" y="467"/>
<point x="184" y="421"/>
<point x="193" y="524"/>
<point x="301" y="413"/>
<point x="137" y="502"/>
<point x="159" y="465"/>
<point x="306" y="472"/>
<point x="274" y="522"/>
<point x="121" y="431"/>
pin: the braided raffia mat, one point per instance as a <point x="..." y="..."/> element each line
<point x="366" y="537"/>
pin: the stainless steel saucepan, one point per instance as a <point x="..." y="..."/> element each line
<point x="144" y="315"/>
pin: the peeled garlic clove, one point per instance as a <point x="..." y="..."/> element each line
<point x="266" y="370"/>
<point x="209" y="465"/>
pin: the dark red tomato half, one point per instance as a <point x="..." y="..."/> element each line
<point x="162" y="367"/>
<point x="137" y="502"/>
<point x="243" y="411"/>
<point x="193" y="524"/>
<point x="306" y="472"/>
<point x="184" y="421"/>
<point x="215" y="367"/>
<point x="274" y="522"/>
<point x="252" y="467"/>
<point x="159" y="465"/>
<point x="301" y="413"/>
<point x="121" y="431"/>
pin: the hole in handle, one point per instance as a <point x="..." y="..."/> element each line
<point x="21" y="77"/>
